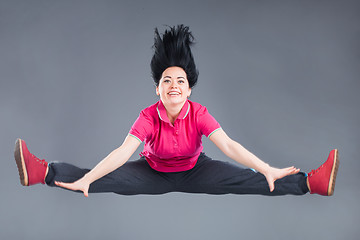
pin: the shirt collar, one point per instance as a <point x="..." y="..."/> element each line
<point x="162" y="111"/>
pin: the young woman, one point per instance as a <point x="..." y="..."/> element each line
<point x="172" y="159"/>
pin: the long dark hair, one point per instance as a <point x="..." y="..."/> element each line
<point x="173" y="49"/>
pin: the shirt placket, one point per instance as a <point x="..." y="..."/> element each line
<point x="176" y="135"/>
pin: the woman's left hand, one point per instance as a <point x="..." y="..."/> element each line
<point x="274" y="174"/>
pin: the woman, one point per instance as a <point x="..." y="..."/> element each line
<point x="172" y="159"/>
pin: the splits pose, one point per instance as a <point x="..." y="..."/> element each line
<point x="173" y="159"/>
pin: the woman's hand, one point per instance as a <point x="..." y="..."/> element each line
<point x="81" y="184"/>
<point x="273" y="174"/>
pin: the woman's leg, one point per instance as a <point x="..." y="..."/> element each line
<point x="134" y="177"/>
<point x="219" y="177"/>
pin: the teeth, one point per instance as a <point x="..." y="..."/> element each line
<point x="174" y="93"/>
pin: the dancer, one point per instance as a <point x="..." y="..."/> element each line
<point x="173" y="159"/>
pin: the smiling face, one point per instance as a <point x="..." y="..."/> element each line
<point x="173" y="87"/>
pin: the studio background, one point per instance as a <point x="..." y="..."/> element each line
<point x="281" y="77"/>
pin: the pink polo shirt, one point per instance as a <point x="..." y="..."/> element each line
<point x="173" y="147"/>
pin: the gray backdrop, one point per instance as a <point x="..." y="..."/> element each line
<point x="281" y="77"/>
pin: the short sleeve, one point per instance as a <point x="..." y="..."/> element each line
<point x="142" y="127"/>
<point x="206" y="122"/>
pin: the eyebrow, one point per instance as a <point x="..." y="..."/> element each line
<point x="177" y="77"/>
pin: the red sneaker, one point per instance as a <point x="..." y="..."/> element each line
<point x="32" y="170"/>
<point x="322" y="180"/>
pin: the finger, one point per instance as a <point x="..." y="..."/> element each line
<point x="86" y="193"/>
<point x="64" y="185"/>
<point x="292" y="170"/>
<point x="271" y="185"/>
<point x="295" y="170"/>
<point x="60" y="184"/>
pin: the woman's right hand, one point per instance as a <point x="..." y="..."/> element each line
<point x="81" y="184"/>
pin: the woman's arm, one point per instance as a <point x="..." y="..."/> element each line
<point x="240" y="154"/>
<point x="113" y="161"/>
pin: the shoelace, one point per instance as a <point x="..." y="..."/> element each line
<point x="41" y="161"/>
<point x="315" y="171"/>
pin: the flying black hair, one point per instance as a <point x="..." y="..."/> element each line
<point x="173" y="49"/>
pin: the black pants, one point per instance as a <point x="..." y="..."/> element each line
<point x="208" y="176"/>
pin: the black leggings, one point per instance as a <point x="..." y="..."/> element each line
<point x="207" y="176"/>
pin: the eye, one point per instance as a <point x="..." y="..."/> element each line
<point x="181" y="81"/>
<point x="166" y="80"/>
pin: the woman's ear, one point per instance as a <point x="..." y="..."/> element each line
<point x="189" y="92"/>
<point x="157" y="91"/>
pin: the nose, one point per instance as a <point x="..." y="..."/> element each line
<point x="174" y="84"/>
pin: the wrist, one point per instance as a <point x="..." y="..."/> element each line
<point x="265" y="169"/>
<point x="88" y="178"/>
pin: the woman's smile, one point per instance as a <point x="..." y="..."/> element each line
<point x="174" y="93"/>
